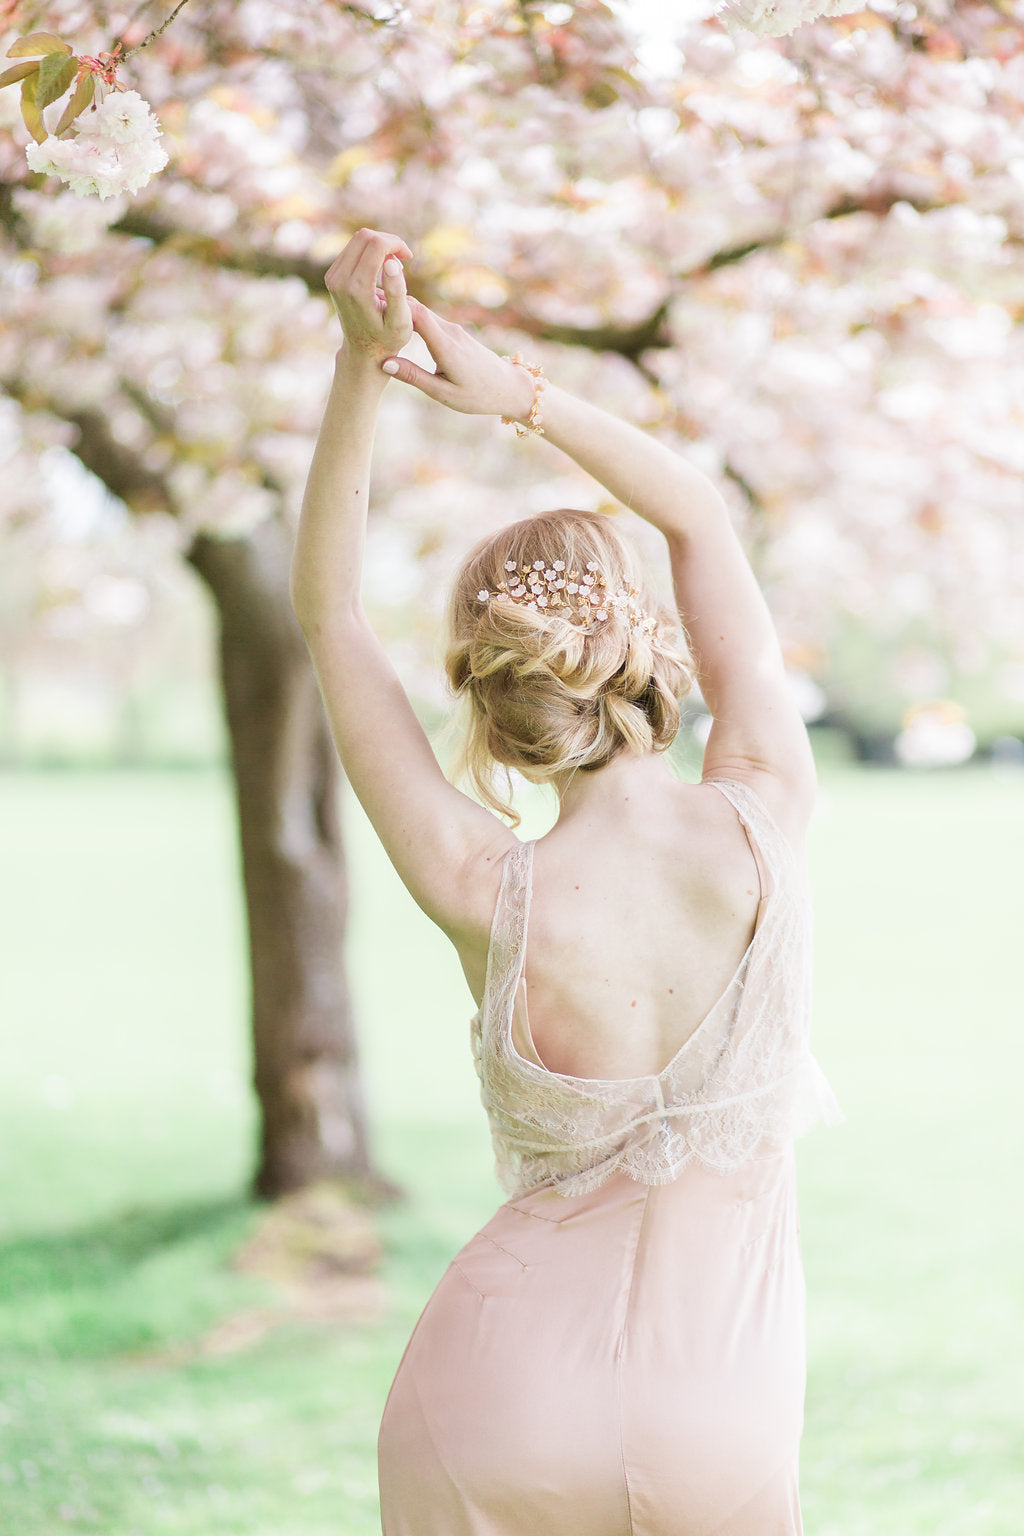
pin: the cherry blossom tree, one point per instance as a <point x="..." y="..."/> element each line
<point x="798" y="258"/>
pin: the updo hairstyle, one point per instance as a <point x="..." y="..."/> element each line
<point x="550" y="693"/>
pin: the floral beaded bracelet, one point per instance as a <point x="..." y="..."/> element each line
<point x="533" y="421"/>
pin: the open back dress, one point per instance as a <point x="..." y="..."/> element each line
<point x="620" y="1350"/>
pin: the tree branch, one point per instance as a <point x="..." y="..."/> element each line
<point x="118" y="467"/>
<point x="628" y="341"/>
<point x="742" y="484"/>
<point x="156" y="32"/>
<point x="878" y="203"/>
<point x="213" y="251"/>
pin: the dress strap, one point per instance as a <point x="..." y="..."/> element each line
<point x="506" y="952"/>
<point x="771" y="848"/>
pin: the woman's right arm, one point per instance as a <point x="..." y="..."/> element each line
<point x="757" y="734"/>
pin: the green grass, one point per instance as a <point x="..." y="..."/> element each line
<point x="126" y="1131"/>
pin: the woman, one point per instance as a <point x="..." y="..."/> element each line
<point x="619" y="1352"/>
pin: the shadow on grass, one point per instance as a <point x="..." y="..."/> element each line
<point x="131" y="1280"/>
<point x="107" y="1248"/>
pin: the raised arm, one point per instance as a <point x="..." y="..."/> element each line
<point x="445" y="847"/>
<point x="757" y="733"/>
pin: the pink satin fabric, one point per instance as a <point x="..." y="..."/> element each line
<point x="626" y="1362"/>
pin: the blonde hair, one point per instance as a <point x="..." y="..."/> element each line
<point x="547" y="696"/>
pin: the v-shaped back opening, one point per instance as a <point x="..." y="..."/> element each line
<point x="517" y="994"/>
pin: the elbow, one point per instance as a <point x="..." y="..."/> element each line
<point x="301" y="604"/>
<point x="321" y="615"/>
<point x="691" y="515"/>
<point x="310" y="602"/>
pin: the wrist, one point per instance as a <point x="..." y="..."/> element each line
<point x="360" y="367"/>
<point x="525" y="394"/>
<point x="524" y="412"/>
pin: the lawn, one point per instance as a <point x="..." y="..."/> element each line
<point x="132" y="1397"/>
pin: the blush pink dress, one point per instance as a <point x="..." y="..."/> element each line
<point x="620" y="1350"/>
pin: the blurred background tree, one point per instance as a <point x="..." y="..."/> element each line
<point x="799" y="260"/>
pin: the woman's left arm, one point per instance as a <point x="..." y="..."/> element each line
<point x="445" y="847"/>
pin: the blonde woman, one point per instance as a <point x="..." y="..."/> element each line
<point x="620" y="1350"/>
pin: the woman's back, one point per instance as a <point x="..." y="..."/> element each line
<point x="715" y="1085"/>
<point x="641" y="912"/>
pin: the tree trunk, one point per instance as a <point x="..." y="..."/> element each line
<point x="286" y="778"/>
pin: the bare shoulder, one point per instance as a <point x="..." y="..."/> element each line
<point x="789" y="800"/>
<point x="466" y="894"/>
<point x="466" y="899"/>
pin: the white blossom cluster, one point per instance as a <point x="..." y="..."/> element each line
<point x="780" y="18"/>
<point x="116" y="148"/>
<point x="64" y="223"/>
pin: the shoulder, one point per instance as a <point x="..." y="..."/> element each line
<point x="787" y="801"/>
<point x="464" y="896"/>
<point x="468" y="903"/>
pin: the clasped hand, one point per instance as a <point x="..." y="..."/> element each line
<point x="378" y="317"/>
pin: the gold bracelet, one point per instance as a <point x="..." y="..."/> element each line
<point x="533" y="421"/>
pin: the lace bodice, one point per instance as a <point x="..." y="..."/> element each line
<point x="745" y="1078"/>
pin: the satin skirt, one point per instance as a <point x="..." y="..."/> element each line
<point x="628" y="1362"/>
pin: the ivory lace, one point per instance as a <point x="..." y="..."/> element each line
<point x="745" y="1079"/>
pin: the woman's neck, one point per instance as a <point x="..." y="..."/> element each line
<point x="601" y="793"/>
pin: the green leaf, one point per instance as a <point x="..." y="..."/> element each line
<point x="29" y="111"/>
<point x="36" y="43"/>
<point x="80" y="99"/>
<point x="18" y="72"/>
<point x="599" y="95"/>
<point x="55" y="75"/>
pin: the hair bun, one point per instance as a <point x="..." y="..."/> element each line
<point x="553" y="687"/>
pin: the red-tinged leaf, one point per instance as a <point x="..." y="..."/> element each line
<point x="56" y="74"/>
<point x="18" y="72"/>
<point x="29" y="111"/>
<point x="35" y="44"/>
<point x="80" y="99"/>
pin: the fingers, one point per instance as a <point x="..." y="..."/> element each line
<point x="438" y="335"/>
<point x="373" y="250"/>
<point x="443" y="337"/>
<point x="430" y="326"/>
<point x="370" y="242"/>
<point x="433" y="384"/>
<point x="394" y="245"/>
<point x="362" y="258"/>
<point x="396" y="312"/>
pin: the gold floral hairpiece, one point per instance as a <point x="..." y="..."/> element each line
<point x="579" y="597"/>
